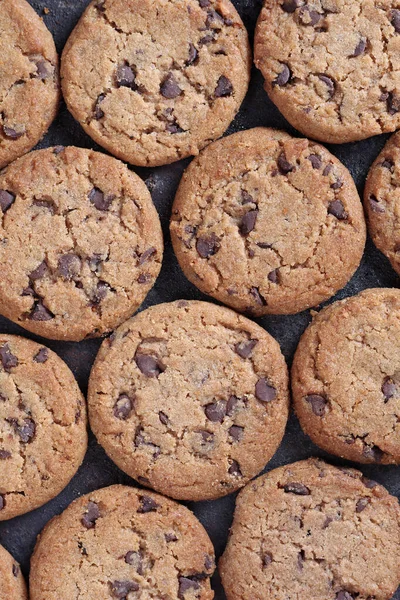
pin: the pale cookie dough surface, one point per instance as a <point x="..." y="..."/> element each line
<point x="43" y="435"/>
<point x="310" y="530"/>
<point x="332" y="66"/>
<point x="12" y="584"/>
<point x="382" y="201"/>
<point x="189" y="398"/>
<point x="267" y="223"/>
<point x="123" y="543"/>
<point x="29" y="81"/>
<point x="80" y="243"/>
<point x="153" y="82"/>
<point x="346" y="377"/>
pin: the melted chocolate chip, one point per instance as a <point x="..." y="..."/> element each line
<point x="244" y="349"/>
<point x="147" y="504"/>
<point x="42" y="356"/>
<point x="135" y="559"/>
<point x="207" y="246"/>
<point x="336" y="209"/>
<point x="170" y="88"/>
<point x="264" y="391"/>
<point x="296" y="488"/>
<point x="7" y="358"/>
<point x="149" y="365"/>
<point x="273" y="276"/>
<point x="318" y="404"/>
<point x="283" y="77"/>
<point x="4" y="454"/>
<point x="395" y="19"/>
<point x="125" y="76"/>
<point x="362" y="504"/>
<point x="215" y="412"/>
<point x="186" y="584"/>
<point x="193" y="54"/>
<point x="360" y="48"/>
<point x="284" y="166"/>
<point x="100" y="200"/>
<point x="123" y="407"/>
<point x="69" y="266"/>
<point x="329" y="82"/>
<point x="315" y="160"/>
<point x="236" y="432"/>
<point x="373" y="453"/>
<point x="147" y="254"/>
<point x="26" y="431"/>
<point x="91" y="515"/>
<point x="375" y="204"/>
<point x="290" y="6"/>
<point x="248" y="222"/>
<point x="224" y="87"/>
<point x="6" y="200"/>
<point x="11" y="133"/>
<point x="120" y="589"/>
<point x="40" y="312"/>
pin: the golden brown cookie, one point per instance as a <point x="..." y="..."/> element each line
<point x="267" y="223"/>
<point x="310" y="530"/>
<point x="12" y="584"/>
<point x="123" y="543"/>
<point x="189" y="398"/>
<point x="80" y="243"/>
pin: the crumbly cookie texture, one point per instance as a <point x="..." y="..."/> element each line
<point x="123" y="543"/>
<point x="346" y="377"/>
<point x="80" y="243"/>
<point x="43" y="435"/>
<point x="154" y="82"/>
<point x="267" y="223"/>
<point x="382" y="201"/>
<point x="12" y="584"/>
<point x="331" y="66"/>
<point x="189" y="398"/>
<point x="29" y="81"/>
<point x="311" y="530"/>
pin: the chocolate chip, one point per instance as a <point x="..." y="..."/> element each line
<point x="264" y="391"/>
<point x="395" y="19"/>
<point x="266" y="559"/>
<point x="369" y="483"/>
<point x="15" y="570"/>
<point x="315" y="160"/>
<point x="58" y="149"/>
<point x="244" y="349"/>
<point x="186" y="584"/>
<point x="336" y="209"/>
<point x="98" y="111"/>
<point x="300" y="559"/>
<point x="283" y="77"/>
<point x="234" y="469"/>
<point x="125" y="76"/>
<point x="69" y="266"/>
<point x="207" y="39"/>
<point x="296" y="488"/>
<point x="290" y="6"/>
<point x="343" y="595"/>
<point x="147" y="504"/>
<point x="102" y="288"/>
<point x="373" y="453"/>
<point x="144" y="278"/>
<point x="393" y="103"/>
<point x="2" y="502"/>
<point x="204" y="3"/>
<point x="336" y="185"/>
<point x="91" y="515"/>
<point x="43" y="69"/>
<point x="207" y="246"/>
<point x="231" y="405"/>
<point x="39" y="271"/>
<point x="284" y="166"/>
<point x="318" y="404"/>
<point x="170" y="88"/>
<point x="120" y="589"/>
<point x="100" y="200"/>
<point x="388" y="163"/>
<point x="7" y="358"/>
<point x="273" y="276"/>
<point x="375" y="204"/>
<point x="42" y="356"/>
<point x="329" y="82"/>
<point x="163" y="417"/>
<point x="123" y="407"/>
<point x="193" y="54"/>
<point x="224" y="87"/>
<point x="11" y="133"/>
<point x="4" y="454"/>
<point x="248" y="222"/>
<point x="215" y="412"/>
<point x="209" y="563"/>
<point x="173" y="128"/>
<point x="149" y="365"/>
<point x="40" y="312"/>
<point x="255" y="292"/>
<point x="26" y="431"/>
<point x="307" y="16"/>
<point x="388" y="388"/>
<point x="246" y="197"/>
<point x="147" y="254"/>
<point x="264" y="245"/>
<point x="214" y="18"/>
<point x="362" y="504"/>
<point x="236" y="432"/>
<point x="135" y="559"/>
<point x="360" y="48"/>
<point x="6" y="200"/>
<point x="46" y="203"/>
<point x="328" y="170"/>
<point x="170" y="537"/>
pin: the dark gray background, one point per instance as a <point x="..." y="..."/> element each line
<point x="19" y="535"/>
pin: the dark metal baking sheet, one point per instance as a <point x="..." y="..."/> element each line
<point x="18" y="535"/>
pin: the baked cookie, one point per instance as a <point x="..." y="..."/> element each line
<point x="382" y="201"/>
<point x="12" y="584"/>
<point x="346" y="377"/>
<point x="42" y="426"/>
<point x="310" y="530"/>
<point x="154" y="82"/>
<point x="267" y="223"/>
<point x="189" y="398"/>
<point x="29" y="81"/>
<point x="331" y="66"/>
<point x="80" y="243"/>
<point x="121" y="542"/>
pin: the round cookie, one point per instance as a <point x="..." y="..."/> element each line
<point x="29" y="80"/>
<point x="189" y="398"/>
<point x="310" y="530"/>
<point x="331" y="66"/>
<point x="154" y="82"/>
<point x="382" y="201"/>
<point x="12" y="584"/>
<point x="346" y="377"/>
<point x="267" y="223"/>
<point x="43" y="435"/>
<point x="122" y="542"/>
<point x="80" y="243"/>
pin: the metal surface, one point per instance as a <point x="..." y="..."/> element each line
<point x="19" y="535"/>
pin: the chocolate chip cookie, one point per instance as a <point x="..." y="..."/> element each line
<point x="267" y="223"/>
<point x="126" y="543"/>
<point x="310" y="530"/>
<point x="332" y="66"/>
<point x="12" y="584"/>
<point x="29" y="81"/>
<point x="382" y="191"/>
<point x="42" y="426"/>
<point x="80" y="243"/>
<point x="189" y="398"/>
<point x="153" y="82"/>
<point x="346" y="377"/>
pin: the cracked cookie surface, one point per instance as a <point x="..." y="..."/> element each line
<point x="12" y="584"/>
<point x="42" y="425"/>
<point x="346" y="377"/>
<point x="382" y="201"/>
<point x="154" y="82"/>
<point x="126" y="543"/>
<point x="332" y="66"/>
<point x="29" y="81"/>
<point x="189" y="398"/>
<point x="80" y="243"/>
<point x="267" y="223"/>
<point x="311" y="530"/>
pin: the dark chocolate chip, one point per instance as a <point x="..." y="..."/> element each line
<point x="343" y="595"/>
<point x="123" y="407"/>
<point x="360" y="48"/>
<point x="336" y="185"/>
<point x="173" y="128"/>
<point x="26" y="431"/>
<point x="209" y="563"/>
<point x="69" y="266"/>
<point x="4" y="454"/>
<point x="100" y="200"/>
<point x="46" y="203"/>
<point x="135" y="559"/>
<point x="39" y="271"/>
<point x="214" y="19"/>
<point x="328" y="170"/>
<point x="264" y="245"/>
<point x="42" y="356"/>
<point x="163" y="417"/>
<point x="91" y="515"/>
<point x="6" y="200"/>
<point x="248" y="222"/>
<point x="144" y="278"/>
<point x="2" y="502"/>
<point x="43" y="69"/>
<point x="58" y="149"/>
<point x="375" y="204"/>
<point x="273" y="276"/>
<point x="147" y="254"/>
<point x="98" y="111"/>
<point x="170" y="537"/>
<point x="185" y="585"/>
<point x="362" y="504"/>
<point x="40" y="312"/>
<point x="125" y="76"/>
<point x="284" y="166"/>
<point x="266" y="559"/>
<point x="307" y="16"/>
<point x="329" y="82"/>
<point x="147" y="504"/>
<point x="193" y="54"/>
<point x="216" y="411"/>
<point x="296" y="488"/>
<point x="231" y="405"/>
<point x="369" y="483"/>
<point x="7" y="358"/>
<point x="290" y="6"/>
<point x="388" y="163"/>
<point x="204" y="3"/>
<point x="234" y="469"/>
<point x="393" y="103"/>
<point x="373" y="453"/>
<point x="15" y="570"/>
<point x="388" y="388"/>
<point x="264" y="391"/>
<point x="224" y="87"/>
<point x="149" y="365"/>
<point x="283" y="77"/>
<point x="246" y="197"/>
<point x="336" y="209"/>
<point x="120" y="589"/>
<point x="11" y="133"/>
<point x="300" y="559"/>
<point x="315" y="160"/>
<point x="207" y="245"/>
<point x="244" y="349"/>
<point x="255" y="292"/>
<point x="318" y="404"/>
<point x="170" y="88"/>
<point x="207" y="39"/>
<point x="395" y="19"/>
<point x="236" y="432"/>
